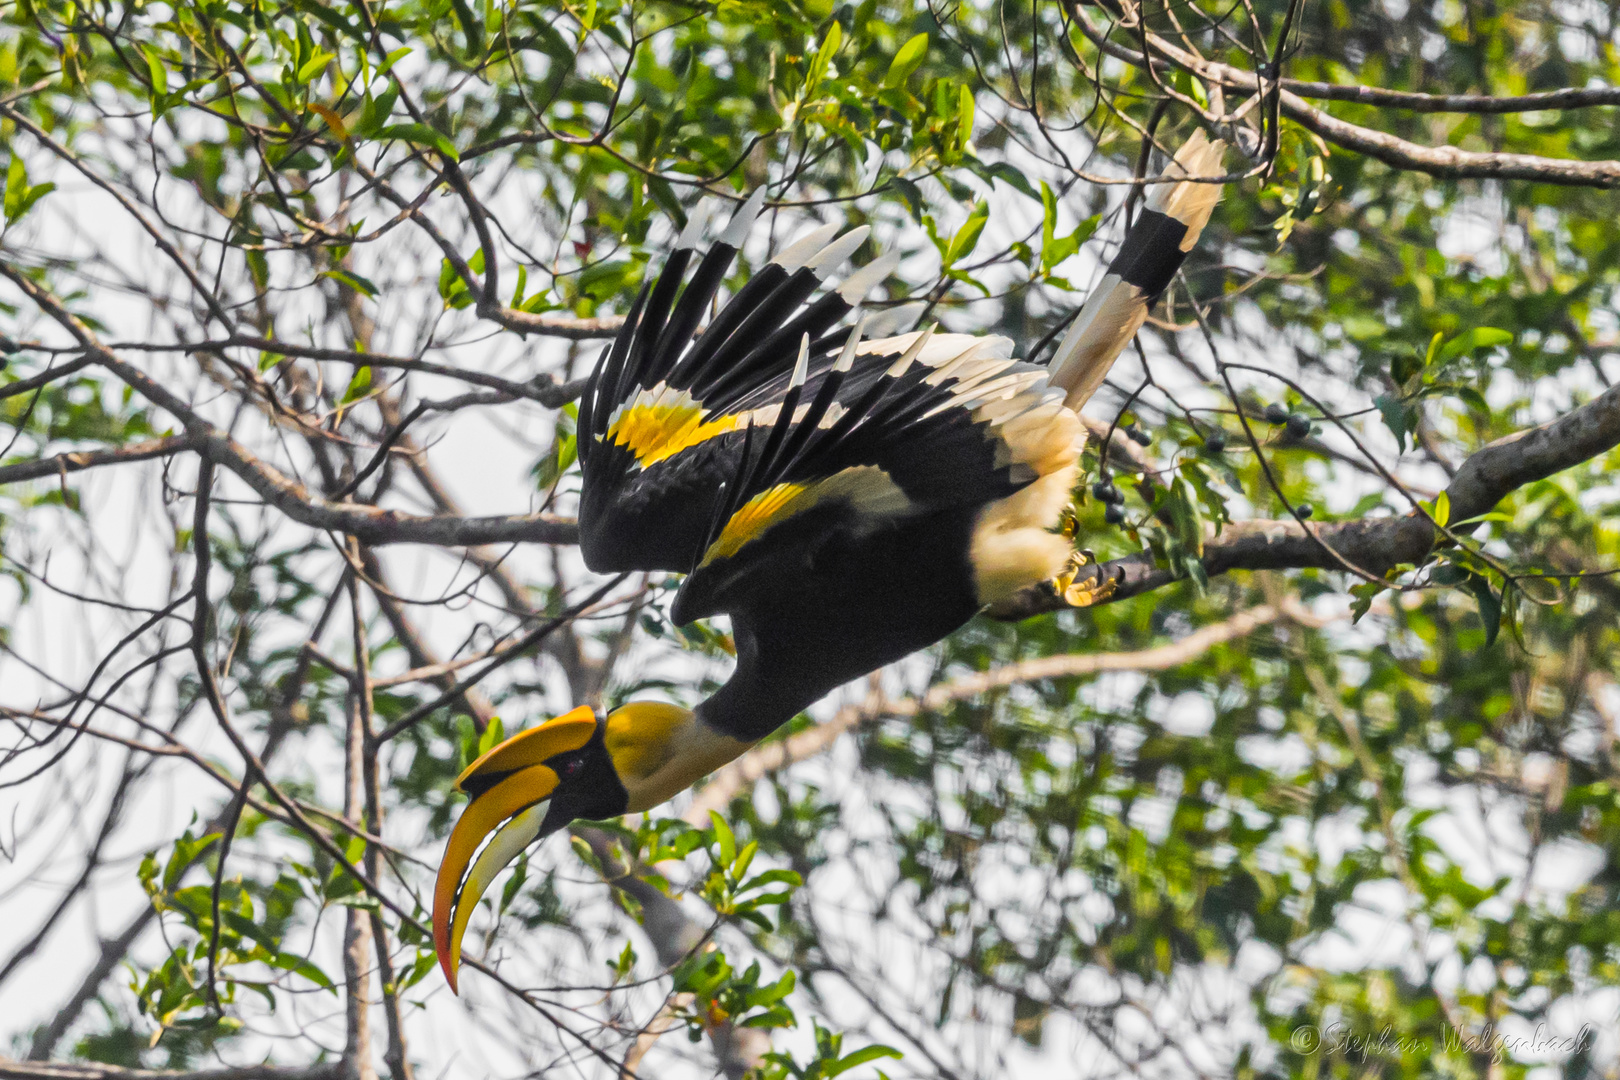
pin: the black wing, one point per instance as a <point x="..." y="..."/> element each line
<point x="657" y="415"/>
<point x="898" y="431"/>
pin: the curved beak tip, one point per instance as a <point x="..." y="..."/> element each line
<point x="510" y="826"/>
<point x="508" y="814"/>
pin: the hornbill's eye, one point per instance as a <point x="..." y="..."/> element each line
<point x="570" y="767"/>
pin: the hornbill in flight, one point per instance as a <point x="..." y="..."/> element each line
<point x="846" y="499"/>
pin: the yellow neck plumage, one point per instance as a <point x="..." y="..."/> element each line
<point x="660" y="750"/>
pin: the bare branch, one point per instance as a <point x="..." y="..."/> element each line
<point x="1455" y="103"/>
<point x="371" y="524"/>
<point x="79" y="460"/>
<point x="51" y="1070"/>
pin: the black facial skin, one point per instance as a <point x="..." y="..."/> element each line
<point x="588" y="785"/>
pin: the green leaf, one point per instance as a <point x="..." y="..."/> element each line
<point x="494" y="734"/>
<point x="964" y="117"/>
<point x="906" y="61"/>
<point x="1008" y="175"/>
<point x="1442" y="510"/>
<point x="912" y="194"/>
<point x="1480" y="337"/>
<point x="514" y="884"/>
<point x="186" y="850"/>
<point x="362" y="285"/>
<point x="1406" y="365"/>
<point x="299" y="966"/>
<point x="1434" y="347"/>
<point x="1054" y="249"/>
<point x="1490" y="606"/>
<point x="1473" y="399"/>
<point x="967" y="237"/>
<point x="1192" y="86"/>
<point x="358" y="385"/>
<point x="1398" y="417"/>
<point x="20" y="195"/>
<point x="725" y="838"/>
<point x="744" y="857"/>
<point x="425" y="961"/>
<point x="313" y="66"/>
<point x="420" y="135"/>
<point x="471" y="26"/>
<point x="392" y="58"/>
<point x="823" y="59"/>
<point x="1364" y="594"/>
<point x="156" y="72"/>
<point x="772" y="877"/>
<point x="860" y="1057"/>
<point x="375" y="113"/>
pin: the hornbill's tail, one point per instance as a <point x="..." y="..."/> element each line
<point x="1152" y="252"/>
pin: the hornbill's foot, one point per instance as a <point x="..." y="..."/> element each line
<point x="1091" y="589"/>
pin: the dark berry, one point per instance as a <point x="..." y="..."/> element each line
<point x="1138" y="436"/>
<point x="7" y="347"/>
<point x="1276" y="414"/>
<point x="1114" y="514"/>
<point x="1215" y="443"/>
<point x="1304" y="510"/>
<point x="1102" y="491"/>
<point x="1298" y="426"/>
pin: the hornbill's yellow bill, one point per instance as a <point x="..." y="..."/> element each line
<point x="538" y="781"/>
<point x="511" y="786"/>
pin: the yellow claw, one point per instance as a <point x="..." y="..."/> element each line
<point x="1093" y="590"/>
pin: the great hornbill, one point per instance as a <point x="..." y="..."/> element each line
<point x="845" y="501"/>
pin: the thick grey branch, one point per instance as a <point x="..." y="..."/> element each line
<point x="1375" y="544"/>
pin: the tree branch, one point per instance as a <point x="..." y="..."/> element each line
<point x="1448" y="162"/>
<point x="1455" y="103"/>
<point x="52" y="1070"/>
<point x="79" y="460"/>
<point x="1375" y="544"/>
<point x="371" y="524"/>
